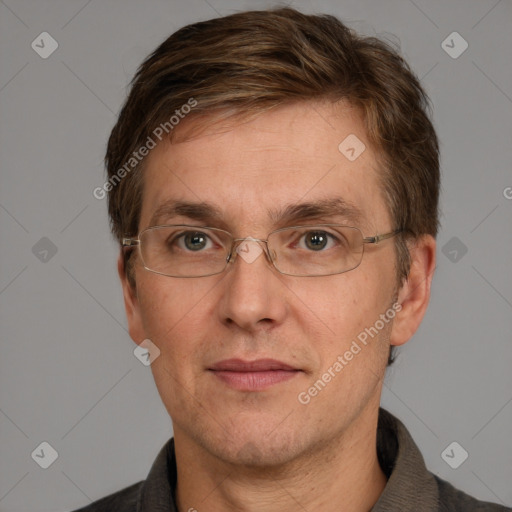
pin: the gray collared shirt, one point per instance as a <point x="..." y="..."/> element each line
<point x="410" y="488"/>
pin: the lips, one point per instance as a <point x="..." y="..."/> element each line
<point x="253" y="375"/>
<point x="260" y="365"/>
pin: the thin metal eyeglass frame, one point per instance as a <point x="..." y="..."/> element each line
<point x="129" y="243"/>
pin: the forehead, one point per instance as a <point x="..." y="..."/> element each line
<point x="304" y="159"/>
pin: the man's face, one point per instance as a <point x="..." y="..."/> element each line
<point x="251" y="312"/>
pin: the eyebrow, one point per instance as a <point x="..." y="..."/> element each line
<point x="314" y="210"/>
<point x="292" y="213"/>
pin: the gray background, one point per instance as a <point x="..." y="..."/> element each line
<point x="68" y="373"/>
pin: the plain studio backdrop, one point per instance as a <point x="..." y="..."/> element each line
<point x="69" y="376"/>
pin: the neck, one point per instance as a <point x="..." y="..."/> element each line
<point x="343" y="474"/>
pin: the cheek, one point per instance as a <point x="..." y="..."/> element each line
<point x="175" y="315"/>
<point x="342" y="306"/>
<point x="340" y="315"/>
<point x="173" y="310"/>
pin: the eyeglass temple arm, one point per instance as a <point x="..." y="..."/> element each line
<point x="129" y="242"/>
<point x="378" y="238"/>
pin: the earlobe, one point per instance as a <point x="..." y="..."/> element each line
<point x="131" y="303"/>
<point x="414" y="295"/>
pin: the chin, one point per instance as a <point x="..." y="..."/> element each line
<point x="258" y="455"/>
<point x="257" y="448"/>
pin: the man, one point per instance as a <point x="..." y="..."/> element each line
<point x="273" y="185"/>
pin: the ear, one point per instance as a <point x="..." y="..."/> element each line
<point x="414" y="294"/>
<point x="131" y="304"/>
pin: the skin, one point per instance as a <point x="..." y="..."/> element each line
<point x="263" y="450"/>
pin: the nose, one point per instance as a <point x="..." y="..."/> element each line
<point x="253" y="295"/>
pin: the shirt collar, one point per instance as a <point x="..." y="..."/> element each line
<point x="157" y="493"/>
<point x="411" y="487"/>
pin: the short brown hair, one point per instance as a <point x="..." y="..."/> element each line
<point x="252" y="61"/>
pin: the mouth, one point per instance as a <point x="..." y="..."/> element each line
<point x="253" y="375"/>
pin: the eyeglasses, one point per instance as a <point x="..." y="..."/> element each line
<point x="303" y="251"/>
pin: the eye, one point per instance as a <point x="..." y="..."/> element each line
<point x="192" y="241"/>
<point x="317" y="240"/>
